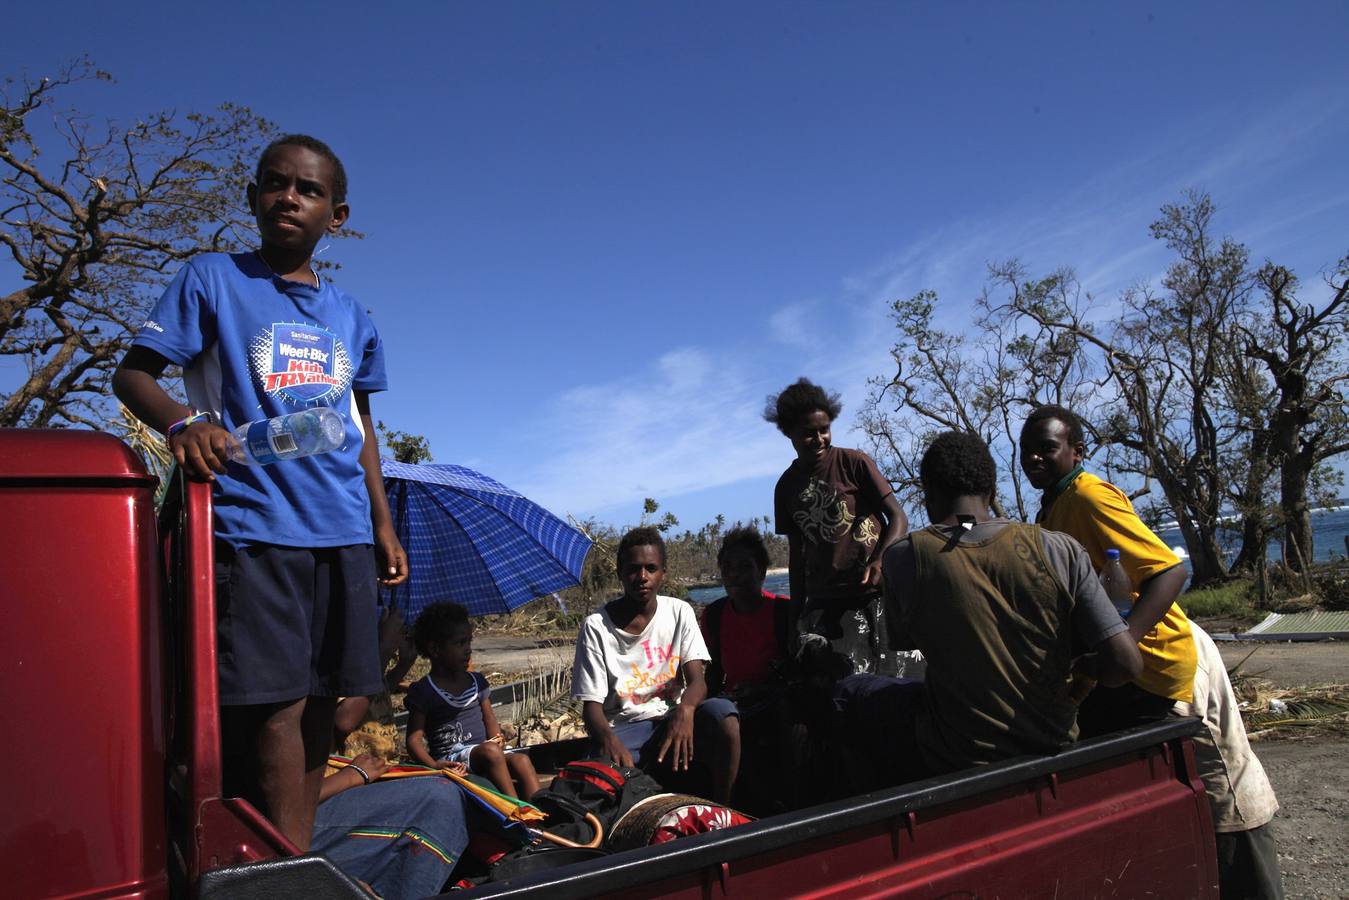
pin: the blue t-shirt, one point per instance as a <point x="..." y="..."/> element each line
<point x="253" y="346"/>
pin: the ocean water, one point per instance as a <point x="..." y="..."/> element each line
<point x="774" y="584"/>
<point x="1329" y="527"/>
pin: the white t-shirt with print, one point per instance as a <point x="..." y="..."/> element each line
<point x="636" y="676"/>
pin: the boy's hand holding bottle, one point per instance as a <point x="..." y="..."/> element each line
<point x="201" y="447"/>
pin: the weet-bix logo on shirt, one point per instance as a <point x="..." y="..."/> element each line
<point x="302" y="364"/>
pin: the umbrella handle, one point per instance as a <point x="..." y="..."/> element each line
<point x="563" y="842"/>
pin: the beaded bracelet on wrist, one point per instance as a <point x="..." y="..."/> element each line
<point x="182" y="424"/>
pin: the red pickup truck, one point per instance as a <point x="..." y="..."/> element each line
<point x="113" y="789"/>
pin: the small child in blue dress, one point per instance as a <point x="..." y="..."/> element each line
<point x="450" y="719"/>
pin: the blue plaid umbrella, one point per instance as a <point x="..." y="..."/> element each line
<point x="475" y="541"/>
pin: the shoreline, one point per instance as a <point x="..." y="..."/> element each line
<point x="704" y="585"/>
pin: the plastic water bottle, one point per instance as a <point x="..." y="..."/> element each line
<point x="1117" y="585"/>
<point x="291" y="436"/>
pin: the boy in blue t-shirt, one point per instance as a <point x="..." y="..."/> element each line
<point x="299" y="542"/>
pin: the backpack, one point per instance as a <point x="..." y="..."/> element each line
<point x="591" y="786"/>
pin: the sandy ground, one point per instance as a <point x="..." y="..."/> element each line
<point x="1312" y="825"/>
<point x="1290" y="664"/>
<point x="512" y="653"/>
<point x="1284" y="664"/>
<point x="1306" y="766"/>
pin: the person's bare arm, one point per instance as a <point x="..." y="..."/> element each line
<point x="407" y="658"/>
<point x="417" y="739"/>
<point x="390" y="558"/>
<point x="679" y="734"/>
<point x="597" y="726"/>
<point x="348" y="777"/>
<point x="897" y="525"/>
<point x="1117" y="660"/>
<point x="489" y="720"/>
<point x="201" y="449"/>
<point x="1155" y="597"/>
<point x="796" y="580"/>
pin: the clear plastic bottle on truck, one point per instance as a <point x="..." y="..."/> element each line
<point x="291" y="436"/>
<point x="1117" y="585"/>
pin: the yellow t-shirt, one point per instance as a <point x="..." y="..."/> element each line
<point x="1100" y="517"/>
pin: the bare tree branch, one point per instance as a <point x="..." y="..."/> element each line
<point x="97" y="226"/>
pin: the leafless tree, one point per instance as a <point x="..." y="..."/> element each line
<point x="983" y="380"/>
<point x="97" y="227"/>
<point x="1166" y="355"/>
<point x="1303" y="349"/>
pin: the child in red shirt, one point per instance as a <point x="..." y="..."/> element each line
<point x="748" y="621"/>
<point x="747" y="637"/>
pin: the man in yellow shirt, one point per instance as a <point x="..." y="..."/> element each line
<point x="1100" y="517"/>
<point x="1175" y="680"/>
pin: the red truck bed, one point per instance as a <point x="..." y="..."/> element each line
<point x="1122" y="816"/>
<point x="110" y="665"/>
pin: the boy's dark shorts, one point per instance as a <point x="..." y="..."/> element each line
<point x="293" y="622"/>
<point x="643" y="739"/>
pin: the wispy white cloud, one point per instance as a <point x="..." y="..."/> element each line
<point x="690" y="420"/>
<point x="687" y="421"/>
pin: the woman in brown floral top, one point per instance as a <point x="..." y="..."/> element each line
<point x="839" y="513"/>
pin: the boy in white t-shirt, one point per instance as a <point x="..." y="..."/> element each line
<point x="639" y="674"/>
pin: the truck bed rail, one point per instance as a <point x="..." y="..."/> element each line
<point x="1038" y="821"/>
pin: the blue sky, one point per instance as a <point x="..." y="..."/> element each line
<point x="600" y="233"/>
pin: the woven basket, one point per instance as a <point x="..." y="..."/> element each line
<point x="649" y="820"/>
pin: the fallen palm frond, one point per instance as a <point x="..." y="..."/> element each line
<point x="1297" y="712"/>
<point x="543" y="689"/>
<point x="148" y="444"/>
<point x="1265" y="708"/>
<point x="545" y="711"/>
<point x="1234" y="672"/>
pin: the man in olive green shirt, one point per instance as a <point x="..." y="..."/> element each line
<point x="1004" y="614"/>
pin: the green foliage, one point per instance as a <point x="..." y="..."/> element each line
<point x="649" y="508"/>
<point x="1232" y="600"/>
<point x="405" y="447"/>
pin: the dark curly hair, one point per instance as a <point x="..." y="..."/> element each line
<point x="339" y="185"/>
<point x="1076" y="432"/>
<point x="644" y="536"/>
<point x="958" y="464"/>
<point x="796" y="401"/>
<point x="436" y="624"/>
<point x="745" y="538"/>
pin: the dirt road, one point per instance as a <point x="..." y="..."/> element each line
<point x="1284" y="664"/>
<point x="1312" y="825"/>
<point x="513" y="654"/>
<point x="1306" y="767"/>
<point x="1290" y="664"/>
